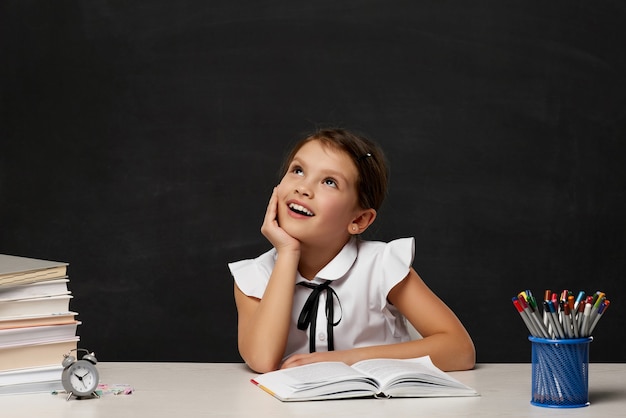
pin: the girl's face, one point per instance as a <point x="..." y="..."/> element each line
<point x="317" y="197"/>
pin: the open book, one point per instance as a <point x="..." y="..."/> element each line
<point x="387" y="378"/>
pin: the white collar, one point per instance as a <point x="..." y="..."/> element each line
<point x="338" y="266"/>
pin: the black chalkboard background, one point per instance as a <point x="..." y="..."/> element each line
<point x="141" y="140"/>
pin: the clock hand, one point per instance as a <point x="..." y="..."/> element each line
<point x="80" y="378"/>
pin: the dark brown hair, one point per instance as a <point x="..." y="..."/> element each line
<point x="368" y="159"/>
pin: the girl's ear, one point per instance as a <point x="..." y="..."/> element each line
<point x="364" y="219"/>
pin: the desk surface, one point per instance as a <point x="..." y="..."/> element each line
<point x="220" y="389"/>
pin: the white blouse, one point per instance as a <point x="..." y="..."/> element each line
<point x="361" y="275"/>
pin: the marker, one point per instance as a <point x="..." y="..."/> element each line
<point x="573" y="313"/>
<point x="534" y="317"/>
<point x="602" y="310"/>
<point x="579" y="317"/>
<point x="554" y="311"/>
<point x="596" y="308"/>
<point x="584" y="329"/>
<point x="596" y="297"/>
<point x="525" y="318"/>
<point x="555" y="301"/>
<point x="599" y="299"/>
<point x="548" y="307"/>
<point x="579" y="298"/>
<point x="536" y="325"/>
<point x="563" y="315"/>
<point x="567" y="320"/>
<point x="546" y="296"/>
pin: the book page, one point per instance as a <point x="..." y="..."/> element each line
<point x="387" y="371"/>
<point x="316" y="381"/>
<point x="319" y="373"/>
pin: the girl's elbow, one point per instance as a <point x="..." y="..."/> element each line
<point x="468" y="363"/>
<point x="467" y="355"/>
<point x="260" y="364"/>
<point x="460" y="355"/>
<point x="261" y="367"/>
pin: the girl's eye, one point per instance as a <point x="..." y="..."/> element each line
<point x="297" y="170"/>
<point x="330" y="182"/>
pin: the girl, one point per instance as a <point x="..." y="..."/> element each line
<point x="322" y="294"/>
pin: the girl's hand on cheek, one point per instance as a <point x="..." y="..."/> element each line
<point x="277" y="236"/>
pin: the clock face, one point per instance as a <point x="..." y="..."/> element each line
<point x="81" y="378"/>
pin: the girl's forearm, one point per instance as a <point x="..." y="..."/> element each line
<point x="263" y="333"/>
<point x="448" y="352"/>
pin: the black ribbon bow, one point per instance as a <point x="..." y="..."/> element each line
<point x="308" y="315"/>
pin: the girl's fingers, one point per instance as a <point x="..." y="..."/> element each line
<point x="270" y="212"/>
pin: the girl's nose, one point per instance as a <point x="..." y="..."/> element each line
<point x="303" y="189"/>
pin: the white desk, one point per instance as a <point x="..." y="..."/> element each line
<point x="183" y="390"/>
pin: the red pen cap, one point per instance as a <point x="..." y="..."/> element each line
<point x="522" y="302"/>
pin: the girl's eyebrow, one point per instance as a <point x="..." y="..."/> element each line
<point x="327" y="172"/>
<point x="334" y="173"/>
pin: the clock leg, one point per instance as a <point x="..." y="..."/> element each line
<point x="69" y="395"/>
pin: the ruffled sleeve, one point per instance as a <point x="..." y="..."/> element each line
<point x="397" y="258"/>
<point x="252" y="275"/>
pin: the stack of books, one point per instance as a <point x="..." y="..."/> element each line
<point x="36" y="325"/>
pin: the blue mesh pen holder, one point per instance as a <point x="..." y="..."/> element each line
<point x="560" y="372"/>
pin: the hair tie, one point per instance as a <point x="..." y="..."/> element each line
<point x="364" y="156"/>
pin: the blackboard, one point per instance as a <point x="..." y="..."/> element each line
<point x="141" y="140"/>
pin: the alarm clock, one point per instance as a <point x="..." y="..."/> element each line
<point x="80" y="378"/>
